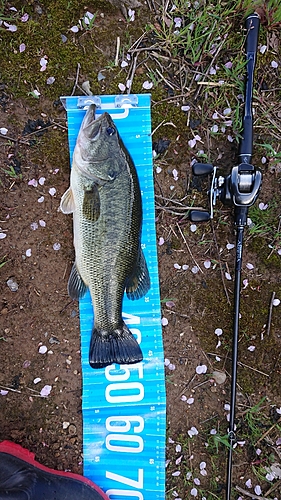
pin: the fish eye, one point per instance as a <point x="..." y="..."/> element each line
<point x="110" y="130"/>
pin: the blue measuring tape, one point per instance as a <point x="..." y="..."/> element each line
<point x="124" y="407"/>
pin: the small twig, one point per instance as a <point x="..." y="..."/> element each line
<point x="163" y="123"/>
<point x="9" y="389"/>
<point x="249" y="494"/>
<point x="117" y="51"/>
<point x="187" y="246"/>
<point x="76" y="79"/>
<point x="251" y="368"/>
<point x="267" y="432"/>
<point x="270" y="314"/>
<point x="222" y="275"/>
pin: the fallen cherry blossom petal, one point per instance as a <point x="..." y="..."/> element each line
<point x="28" y="252"/>
<point x="200" y="369"/>
<point x="158" y="170"/>
<point x="3" y="130"/>
<point x="166" y="363"/>
<point x="194" y="269"/>
<point x="121" y="87"/>
<point x="278" y="410"/>
<point x="41" y="199"/>
<point x="50" y="80"/>
<point x="190" y="401"/>
<point x="3" y="393"/>
<point x="161" y="241"/>
<point x="10" y="27"/>
<point x="42" y="223"/>
<point x="251" y="348"/>
<point x="42" y="349"/>
<point x="34" y="226"/>
<point x="194" y="492"/>
<point x="24" y="18"/>
<point x="185" y="267"/>
<point x="52" y="191"/>
<point x="257" y="489"/>
<point x="274" y="64"/>
<point x="229" y="246"/>
<point x="170" y="304"/>
<point x="228" y="276"/>
<point x="197" y="481"/>
<point x="188" y="475"/>
<point x="248" y="483"/>
<point x="178" y="460"/>
<point x="249" y="265"/>
<point x="192" y="143"/>
<point x="147" y="85"/>
<point x="226" y="407"/>
<point x="263" y="49"/>
<point x="56" y="246"/>
<point x="74" y="29"/>
<point x="203" y="472"/>
<point x="42" y="181"/>
<point x="193" y="228"/>
<point x="207" y="264"/>
<point x="37" y="380"/>
<point x="32" y="182"/>
<point x="258" y="451"/>
<point x="269" y="476"/>
<point x="278" y="441"/>
<point x="177" y="266"/>
<point x="214" y="129"/>
<point x="183" y="398"/>
<point x="185" y="108"/>
<point x="124" y="64"/>
<point x="164" y="321"/>
<point x="245" y="283"/>
<point x="228" y="65"/>
<point x="192" y="432"/>
<point x="178" y="448"/>
<point x="276" y="302"/>
<point x="213" y="432"/>
<point x="2" y="236"/>
<point x="218" y="332"/>
<point x="131" y="14"/>
<point x="45" y="391"/>
<point x="177" y="473"/>
<point x="22" y="47"/>
<point x="263" y="206"/>
<point x="171" y="367"/>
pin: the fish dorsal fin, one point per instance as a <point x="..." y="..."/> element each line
<point x="138" y="282"/>
<point x="76" y="286"/>
<point x="91" y="203"/>
<point x="67" y="204"/>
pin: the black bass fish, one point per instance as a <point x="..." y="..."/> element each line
<point x="105" y="199"/>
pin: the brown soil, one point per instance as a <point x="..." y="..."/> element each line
<point x="40" y="313"/>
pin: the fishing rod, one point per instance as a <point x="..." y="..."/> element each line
<point x="240" y="190"/>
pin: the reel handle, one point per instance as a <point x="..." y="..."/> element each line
<point x="199" y="216"/>
<point x="202" y="168"/>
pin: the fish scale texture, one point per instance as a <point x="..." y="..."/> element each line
<point x="124" y="406"/>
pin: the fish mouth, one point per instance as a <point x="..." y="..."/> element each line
<point x="92" y="126"/>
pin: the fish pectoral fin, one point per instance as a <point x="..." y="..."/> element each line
<point x="138" y="282"/>
<point x="67" y="204"/>
<point x="91" y="203"/>
<point x="76" y="286"/>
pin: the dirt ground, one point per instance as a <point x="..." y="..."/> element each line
<point x="39" y="323"/>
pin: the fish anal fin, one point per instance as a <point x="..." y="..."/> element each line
<point x="117" y="346"/>
<point x="138" y="283"/>
<point x="67" y="204"/>
<point x="91" y="203"/>
<point x="76" y="286"/>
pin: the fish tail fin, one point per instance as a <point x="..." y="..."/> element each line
<point x="117" y="346"/>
